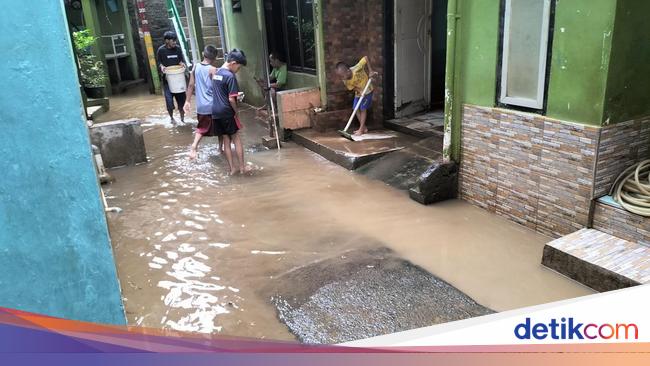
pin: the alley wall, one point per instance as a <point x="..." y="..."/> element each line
<point x="55" y="252"/>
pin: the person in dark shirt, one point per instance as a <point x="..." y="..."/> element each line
<point x="170" y="54"/>
<point x="225" y="91"/>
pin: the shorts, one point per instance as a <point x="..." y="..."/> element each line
<point x="226" y="126"/>
<point x="365" y="104"/>
<point x="205" y="125"/>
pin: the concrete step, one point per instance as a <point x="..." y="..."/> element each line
<point x="400" y="169"/>
<point x="599" y="260"/>
<point x="91" y="102"/>
<point x="210" y="31"/>
<point x="426" y="125"/>
<point x="208" y="16"/>
<point x="215" y="41"/>
<point x="126" y="85"/>
<point x="184" y="22"/>
<point x="350" y="154"/>
<point x="95" y="111"/>
<point x="207" y="31"/>
<point x="418" y="169"/>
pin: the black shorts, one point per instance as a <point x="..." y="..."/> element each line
<point x="225" y="126"/>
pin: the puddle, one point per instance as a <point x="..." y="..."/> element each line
<point x="197" y="250"/>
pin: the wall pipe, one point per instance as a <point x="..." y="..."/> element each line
<point x="451" y="92"/>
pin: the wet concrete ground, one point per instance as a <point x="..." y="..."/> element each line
<point x="197" y="250"/>
<point x="365" y="293"/>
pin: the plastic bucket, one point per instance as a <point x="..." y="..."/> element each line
<point x="176" y="79"/>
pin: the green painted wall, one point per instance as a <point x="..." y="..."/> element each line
<point x="580" y="60"/>
<point x="477" y="49"/>
<point x="55" y="252"/>
<point x="628" y="83"/>
<point x="579" y="65"/>
<point x="296" y="80"/>
<point x="475" y="60"/>
<point x="110" y="22"/>
<point x="244" y="32"/>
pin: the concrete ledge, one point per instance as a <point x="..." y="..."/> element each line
<point x="598" y="260"/>
<point x="295" y="107"/>
<point x="348" y="154"/>
<point x="401" y="127"/>
<point x="120" y="142"/>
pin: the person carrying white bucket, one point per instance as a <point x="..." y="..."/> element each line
<point x="172" y="64"/>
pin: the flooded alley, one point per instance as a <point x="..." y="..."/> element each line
<point x="200" y="251"/>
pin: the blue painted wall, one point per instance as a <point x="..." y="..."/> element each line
<point x="55" y="253"/>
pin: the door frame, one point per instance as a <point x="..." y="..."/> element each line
<point x="392" y="44"/>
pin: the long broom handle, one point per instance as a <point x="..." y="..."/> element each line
<point x="275" y="126"/>
<point x="356" y="108"/>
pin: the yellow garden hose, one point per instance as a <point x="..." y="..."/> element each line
<point x="632" y="189"/>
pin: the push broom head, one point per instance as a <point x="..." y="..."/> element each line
<point x="347" y="135"/>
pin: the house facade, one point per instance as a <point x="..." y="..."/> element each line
<point x="549" y="107"/>
<point x="545" y="101"/>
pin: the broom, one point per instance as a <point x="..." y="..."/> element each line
<point x="345" y="132"/>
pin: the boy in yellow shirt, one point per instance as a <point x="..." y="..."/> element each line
<point x="355" y="78"/>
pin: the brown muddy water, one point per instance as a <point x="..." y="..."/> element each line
<point x="196" y="249"/>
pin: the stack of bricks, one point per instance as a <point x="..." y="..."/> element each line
<point x="353" y="29"/>
<point x="528" y="168"/>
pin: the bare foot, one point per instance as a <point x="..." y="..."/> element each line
<point x="360" y="131"/>
<point x="193" y="154"/>
<point x="247" y="169"/>
<point x="233" y="171"/>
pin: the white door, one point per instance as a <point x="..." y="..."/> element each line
<point x="412" y="56"/>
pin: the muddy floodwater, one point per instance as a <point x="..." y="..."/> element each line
<point x="197" y="250"/>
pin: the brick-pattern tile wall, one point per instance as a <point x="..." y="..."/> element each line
<point x="621" y="145"/>
<point x="528" y="168"/>
<point x="622" y="224"/>
<point x="353" y="29"/>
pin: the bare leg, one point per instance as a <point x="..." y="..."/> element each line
<point x="221" y="144"/>
<point x="228" y="151"/>
<point x="361" y="116"/>
<point x="195" y="145"/>
<point x="240" y="153"/>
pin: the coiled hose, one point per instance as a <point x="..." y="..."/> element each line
<point x="632" y="189"/>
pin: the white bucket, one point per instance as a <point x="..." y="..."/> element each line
<point x="176" y="79"/>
